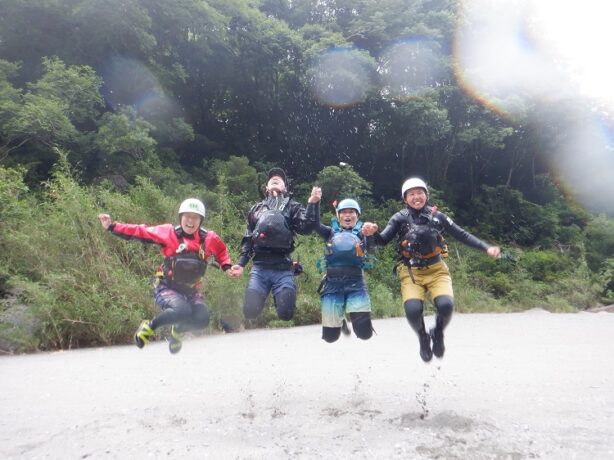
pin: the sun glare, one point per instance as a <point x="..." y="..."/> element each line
<point x="580" y="35"/>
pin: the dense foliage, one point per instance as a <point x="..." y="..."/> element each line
<point x="130" y="106"/>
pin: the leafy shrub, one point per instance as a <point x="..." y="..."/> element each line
<point x="545" y="266"/>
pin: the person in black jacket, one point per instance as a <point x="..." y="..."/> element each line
<point x="269" y="239"/>
<point x="419" y="230"/>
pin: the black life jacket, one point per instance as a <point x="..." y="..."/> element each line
<point x="423" y="239"/>
<point x="272" y="229"/>
<point x="185" y="268"/>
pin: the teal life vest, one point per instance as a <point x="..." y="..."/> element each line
<point x="345" y="248"/>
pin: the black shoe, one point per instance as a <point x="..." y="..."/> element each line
<point x="344" y="328"/>
<point x="425" y="347"/>
<point x="438" y="346"/>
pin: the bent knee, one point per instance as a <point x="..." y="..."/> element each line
<point x="285" y="304"/>
<point x="444" y="305"/>
<point x="413" y="309"/>
<point x="361" y="324"/>
<point x="331" y="334"/>
<point x="201" y="320"/>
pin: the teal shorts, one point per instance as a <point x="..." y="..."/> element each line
<point x="343" y="296"/>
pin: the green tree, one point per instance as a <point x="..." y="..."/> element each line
<point x="124" y="148"/>
<point x="77" y="87"/>
<point x="339" y="182"/>
<point x="236" y="176"/>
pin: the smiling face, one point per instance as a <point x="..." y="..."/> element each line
<point x="190" y="222"/>
<point x="415" y="198"/>
<point x="348" y="218"/>
<point x="276" y="183"/>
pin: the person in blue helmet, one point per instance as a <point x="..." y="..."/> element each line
<point x="272" y="225"/>
<point x="343" y="288"/>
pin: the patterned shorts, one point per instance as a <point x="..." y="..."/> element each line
<point x="343" y="296"/>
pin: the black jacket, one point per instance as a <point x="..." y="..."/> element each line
<point x="301" y="220"/>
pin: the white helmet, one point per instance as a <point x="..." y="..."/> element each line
<point x="192" y="205"/>
<point x="413" y="183"/>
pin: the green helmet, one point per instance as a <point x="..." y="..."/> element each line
<point x="348" y="203"/>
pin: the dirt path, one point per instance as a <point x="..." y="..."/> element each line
<point x="516" y="386"/>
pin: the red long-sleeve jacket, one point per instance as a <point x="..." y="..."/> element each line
<point x="166" y="237"/>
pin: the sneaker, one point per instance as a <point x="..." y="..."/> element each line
<point x="438" y="346"/>
<point x="174" y="341"/>
<point x="344" y="328"/>
<point x="143" y="334"/>
<point x="425" y="347"/>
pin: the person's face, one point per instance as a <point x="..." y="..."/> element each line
<point x="190" y="222"/>
<point x="415" y="197"/>
<point x="348" y="218"/>
<point x="276" y="183"/>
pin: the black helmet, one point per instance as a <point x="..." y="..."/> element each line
<point x="278" y="172"/>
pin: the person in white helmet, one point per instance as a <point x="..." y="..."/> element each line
<point x="343" y="288"/>
<point x="186" y="249"/>
<point x="419" y="230"/>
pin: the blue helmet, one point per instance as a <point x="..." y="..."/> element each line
<point x="348" y="203"/>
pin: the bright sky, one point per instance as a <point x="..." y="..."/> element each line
<point x="581" y="33"/>
<point x="511" y="54"/>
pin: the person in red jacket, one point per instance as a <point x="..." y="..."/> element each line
<point x="186" y="249"/>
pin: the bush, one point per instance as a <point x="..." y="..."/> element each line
<point x="545" y="266"/>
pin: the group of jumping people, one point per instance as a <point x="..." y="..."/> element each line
<point x="268" y="242"/>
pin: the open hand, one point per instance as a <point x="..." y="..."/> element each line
<point x="316" y="195"/>
<point x="105" y="220"/>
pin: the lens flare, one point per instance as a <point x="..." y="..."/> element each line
<point x="341" y="77"/>
<point x="579" y="36"/>
<point x="513" y="55"/>
<point x="585" y="162"/>
<point x="497" y="59"/>
<point x="409" y="67"/>
<point x="534" y="50"/>
<point x="127" y="82"/>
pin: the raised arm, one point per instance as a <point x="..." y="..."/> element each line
<point x="304" y="220"/>
<point x="465" y="237"/>
<point x="157" y="234"/>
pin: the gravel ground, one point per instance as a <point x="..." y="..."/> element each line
<point x="511" y="386"/>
